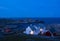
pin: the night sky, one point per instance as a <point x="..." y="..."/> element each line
<point x="29" y="8"/>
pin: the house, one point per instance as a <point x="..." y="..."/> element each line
<point x="35" y="30"/>
<point x="28" y="30"/>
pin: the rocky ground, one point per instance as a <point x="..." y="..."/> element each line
<point x="29" y="38"/>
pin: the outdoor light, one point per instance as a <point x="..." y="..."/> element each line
<point x="41" y="29"/>
<point x="32" y="32"/>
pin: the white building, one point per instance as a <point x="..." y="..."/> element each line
<point x="35" y="30"/>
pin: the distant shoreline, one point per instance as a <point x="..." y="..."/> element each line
<point x="46" y="20"/>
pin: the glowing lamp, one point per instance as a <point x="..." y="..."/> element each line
<point x="32" y="32"/>
<point x="41" y="29"/>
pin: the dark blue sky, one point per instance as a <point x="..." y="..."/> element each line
<point x="29" y="8"/>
